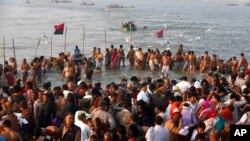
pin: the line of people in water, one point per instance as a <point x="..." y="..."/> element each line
<point x="73" y="66"/>
<point x="138" y="109"/>
<point x="152" y="109"/>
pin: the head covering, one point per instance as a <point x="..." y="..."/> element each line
<point x="176" y="88"/>
<point x="197" y="84"/>
<point x="177" y="94"/>
<point x="79" y="82"/>
<point x="226" y="113"/>
<point x="81" y="113"/>
<point x="88" y="96"/>
<point x="206" y="104"/>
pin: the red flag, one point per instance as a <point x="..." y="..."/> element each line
<point x="59" y="28"/>
<point x="159" y="34"/>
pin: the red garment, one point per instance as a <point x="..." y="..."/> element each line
<point x="174" y="108"/>
<point x="226" y="113"/>
<point x="132" y="139"/>
<point x="10" y="78"/>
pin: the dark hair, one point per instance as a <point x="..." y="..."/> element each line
<point x="217" y="97"/>
<point x="134" y="117"/>
<point x="65" y="86"/>
<point x="200" y="136"/>
<point x="159" y="107"/>
<point x="178" y="98"/>
<point x="133" y="130"/>
<point x="202" y="125"/>
<point x="158" y="120"/>
<point x="6" y="123"/>
<point x="121" y="129"/>
<point x="37" y="132"/>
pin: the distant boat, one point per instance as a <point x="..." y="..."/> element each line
<point x="119" y="6"/>
<point x="61" y="1"/>
<point x="27" y="1"/>
<point x="232" y="4"/>
<point x="248" y="4"/>
<point x="129" y="6"/>
<point x="128" y="26"/>
<point x="87" y="3"/>
<point x="115" y="6"/>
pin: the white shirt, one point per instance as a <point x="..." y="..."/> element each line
<point x="157" y="133"/>
<point x="243" y="119"/>
<point x="143" y="96"/>
<point x="85" y="130"/>
<point x="184" y="86"/>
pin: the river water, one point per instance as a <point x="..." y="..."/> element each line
<point x="214" y="25"/>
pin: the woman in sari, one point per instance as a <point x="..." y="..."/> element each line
<point x="99" y="60"/>
<point x="115" y="60"/>
<point x="139" y="59"/>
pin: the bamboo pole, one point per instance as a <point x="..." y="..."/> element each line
<point x="83" y="37"/>
<point x="218" y="51"/>
<point x="38" y="43"/>
<point x="105" y="38"/>
<point x="4" y="59"/>
<point x="154" y="42"/>
<point x="51" y="46"/>
<point x="14" y="50"/>
<point x="65" y="38"/>
<point x="131" y="38"/>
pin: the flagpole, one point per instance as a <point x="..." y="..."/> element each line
<point x="14" y="50"/>
<point x="131" y="39"/>
<point x="105" y="38"/>
<point x="218" y="50"/>
<point x="193" y="44"/>
<point x="51" y="46"/>
<point x="83" y="37"/>
<point x="3" y="49"/>
<point x="65" y="40"/>
<point x="38" y="43"/>
<point x="154" y="43"/>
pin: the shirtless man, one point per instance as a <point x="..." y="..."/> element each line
<point x="121" y="56"/>
<point x="242" y="63"/>
<point x="8" y="134"/>
<point x="67" y="72"/>
<point x="186" y="62"/>
<point x="234" y="64"/>
<point x="131" y="56"/>
<point x="157" y="59"/>
<point x="151" y="60"/>
<point x="214" y="63"/>
<point x="178" y="61"/>
<point x="192" y="62"/>
<point x="13" y="65"/>
<point x="94" y="52"/>
<point x="165" y="65"/>
<point x="32" y="76"/>
<point x="24" y="70"/>
<point x="207" y="62"/>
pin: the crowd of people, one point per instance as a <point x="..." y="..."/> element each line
<point x="138" y="109"/>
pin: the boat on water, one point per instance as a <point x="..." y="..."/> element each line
<point x="248" y="4"/>
<point x="129" y="6"/>
<point x="233" y="4"/>
<point x="115" y="6"/>
<point x="128" y="26"/>
<point x="119" y="6"/>
<point x="61" y="1"/>
<point x="87" y="3"/>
